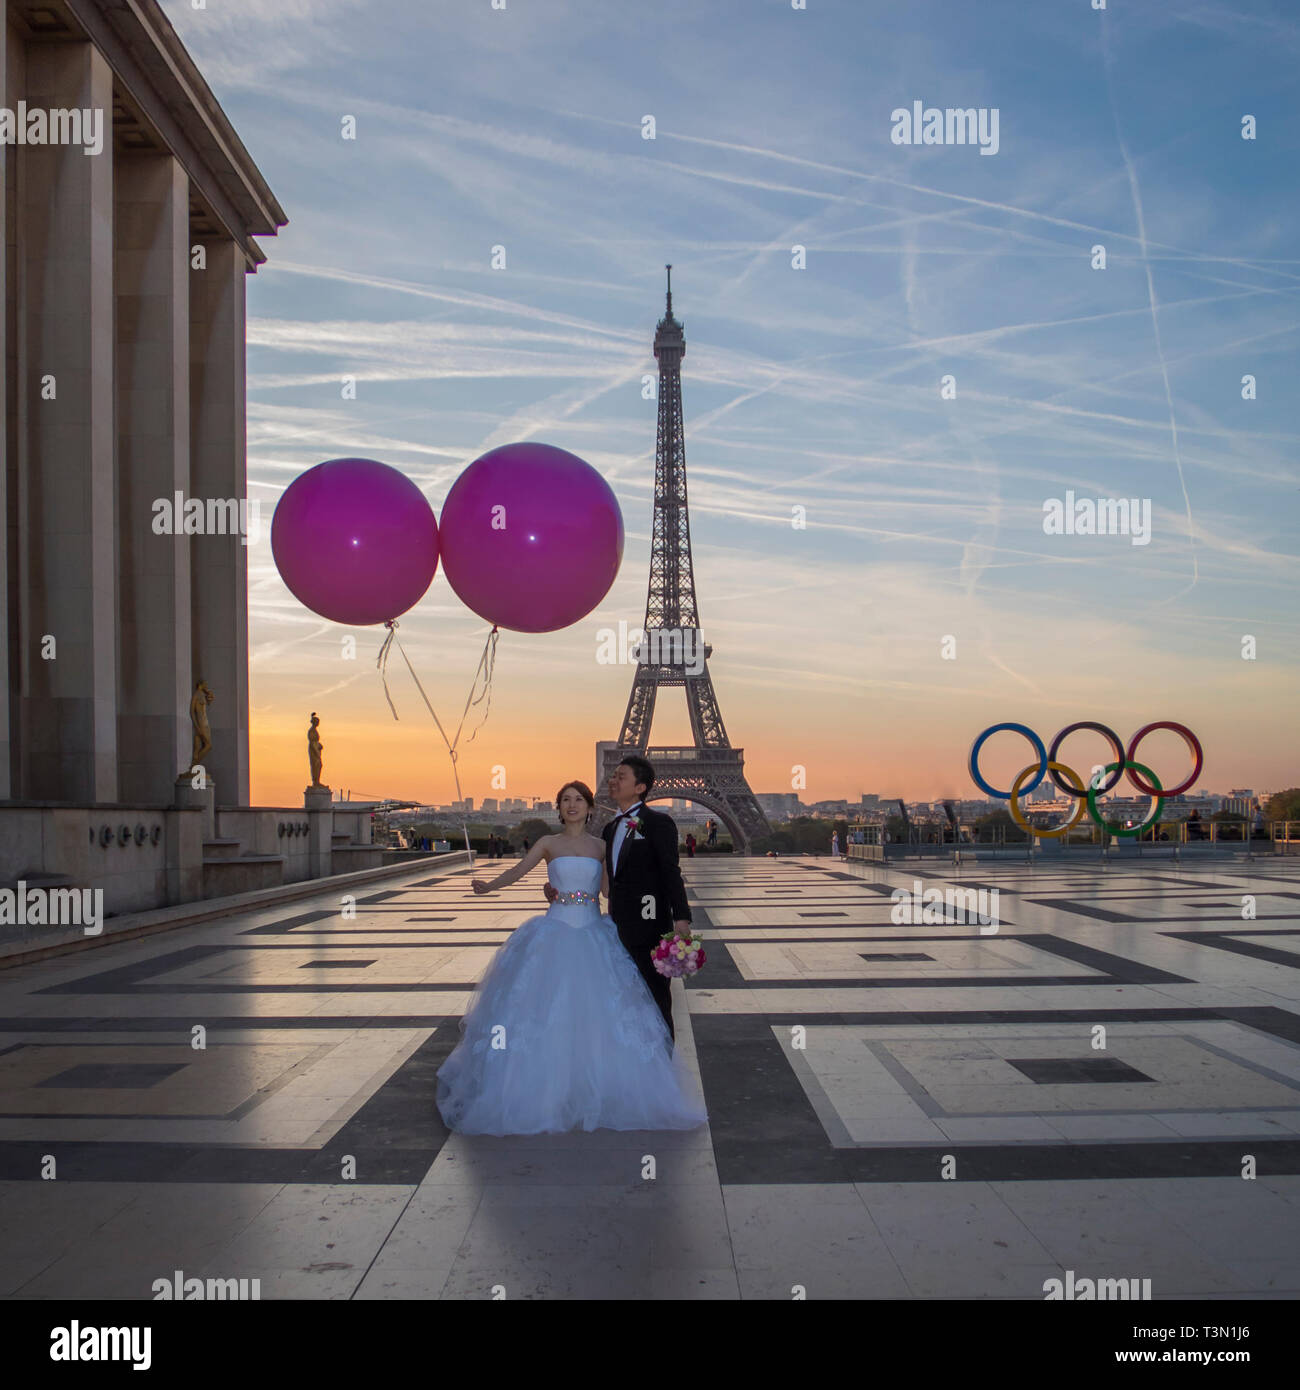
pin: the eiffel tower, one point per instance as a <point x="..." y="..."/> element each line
<point x="710" y="773"/>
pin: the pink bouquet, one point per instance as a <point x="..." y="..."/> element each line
<point x="678" y="954"/>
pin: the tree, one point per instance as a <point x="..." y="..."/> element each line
<point x="432" y="829"/>
<point x="779" y="840"/>
<point x="531" y="830"/>
<point x="896" y="828"/>
<point x="1283" y="805"/>
<point x="987" y="827"/>
<point x="802" y="835"/>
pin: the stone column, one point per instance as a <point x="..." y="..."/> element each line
<point x="8" y="443"/>
<point x="151" y="252"/>
<point x="219" y="564"/>
<point x="67" y="562"/>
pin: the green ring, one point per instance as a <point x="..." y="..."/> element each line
<point x="1121" y="830"/>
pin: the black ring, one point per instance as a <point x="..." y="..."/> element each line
<point x="1121" y="762"/>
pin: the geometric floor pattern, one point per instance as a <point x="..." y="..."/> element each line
<point x="1107" y="1081"/>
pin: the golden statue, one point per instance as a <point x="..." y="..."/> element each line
<point x="203" y="697"/>
<point x="314" y="748"/>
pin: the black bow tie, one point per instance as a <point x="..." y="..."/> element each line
<point x="623" y="815"/>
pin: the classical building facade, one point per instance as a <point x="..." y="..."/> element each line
<point x="130" y="209"/>
<point x="124" y="354"/>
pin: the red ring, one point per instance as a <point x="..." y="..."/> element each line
<point x="1193" y="746"/>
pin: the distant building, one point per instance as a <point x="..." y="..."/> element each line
<point x="779" y="805"/>
<point x="490" y="803"/>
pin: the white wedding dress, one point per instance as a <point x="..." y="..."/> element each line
<point x="579" y="1040"/>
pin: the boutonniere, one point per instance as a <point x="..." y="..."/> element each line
<point x="633" y="825"/>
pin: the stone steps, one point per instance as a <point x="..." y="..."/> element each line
<point x="224" y="848"/>
<point x="22" y="933"/>
<point x="37" y="880"/>
<point x="247" y="873"/>
<point x="349" y="857"/>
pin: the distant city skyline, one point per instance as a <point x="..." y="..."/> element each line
<point x="774" y="805"/>
<point x="920" y="593"/>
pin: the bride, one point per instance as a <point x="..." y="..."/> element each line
<point x="562" y="1031"/>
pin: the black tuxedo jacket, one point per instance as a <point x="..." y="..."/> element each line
<point x="647" y="868"/>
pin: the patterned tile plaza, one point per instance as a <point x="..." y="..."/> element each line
<point x="896" y="1110"/>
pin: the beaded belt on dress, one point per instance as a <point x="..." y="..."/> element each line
<point x="575" y="897"/>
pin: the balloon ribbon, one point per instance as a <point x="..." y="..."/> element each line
<point x="486" y="666"/>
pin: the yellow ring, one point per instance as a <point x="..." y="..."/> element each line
<point x="1079" y="806"/>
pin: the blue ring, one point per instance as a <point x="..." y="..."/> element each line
<point x="1015" y="729"/>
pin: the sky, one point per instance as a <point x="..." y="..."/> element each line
<point x="923" y="599"/>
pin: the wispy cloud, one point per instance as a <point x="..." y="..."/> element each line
<point x="815" y="389"/>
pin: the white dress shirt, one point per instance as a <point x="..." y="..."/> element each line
<point x="620" y="831"/>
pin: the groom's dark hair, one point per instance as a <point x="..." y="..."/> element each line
<point x="641" y="770"/>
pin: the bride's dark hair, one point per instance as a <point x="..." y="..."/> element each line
<point x="583" y="791"/>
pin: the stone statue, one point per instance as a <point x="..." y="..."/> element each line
<point x="314" y="749"/>
<point x="203" y="697"/>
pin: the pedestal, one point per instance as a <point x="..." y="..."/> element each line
<point x="318" y="801"/>
<point x="188" y="795"/>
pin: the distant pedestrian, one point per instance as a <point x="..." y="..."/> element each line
<point x="690" y="846"/>
<point x="835" y="844"/>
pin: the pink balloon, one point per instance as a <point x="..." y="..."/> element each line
<point x="355" y="541"/>
<point x="532" y="537"/>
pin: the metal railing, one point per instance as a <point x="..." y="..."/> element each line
<point x="935" y="840"/>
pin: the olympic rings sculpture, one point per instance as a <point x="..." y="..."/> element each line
<point x="1085" y="795"/>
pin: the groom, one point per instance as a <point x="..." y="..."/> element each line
<point x="646" y="893"/>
